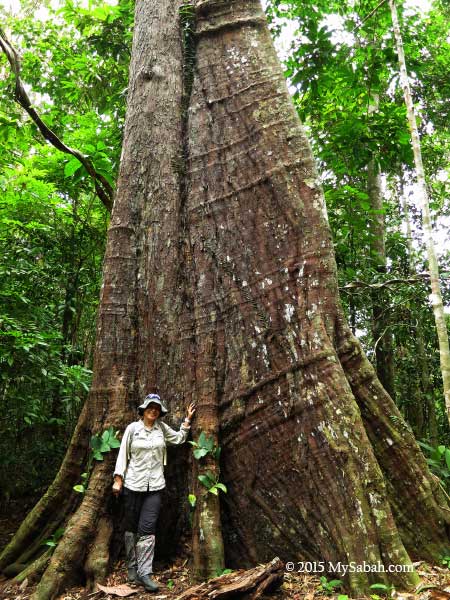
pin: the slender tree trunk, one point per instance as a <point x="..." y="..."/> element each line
<point x="381" y="331"/>
<point x="424" y="386"/>
<point x="224" y="288"/>
<point x="422" y="198"/>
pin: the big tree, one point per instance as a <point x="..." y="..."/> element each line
<point x="220" y="285"/>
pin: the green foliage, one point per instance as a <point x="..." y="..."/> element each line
<point x="438" y="459"/>
<point x="221" y="572"/>
<point x="54" y="539"/>
<point x="52" y="227"/>
<point x="445" y="560"/>
<point x="192" y="500"/>
<point x="170" y="584"/>
<point x="204" y="446"/>
<point x="212" y="483"/>
<point x="386" y="590"/>
<point x="99" y="445"/>
<point x="329" y="587"/>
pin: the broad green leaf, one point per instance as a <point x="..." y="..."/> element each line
<point x="96" y="442"/>
<point x="200" y="452"/>
<point x="206" y="481"/>
<point x="447" y="457"/>
<point x="71" y="167"/>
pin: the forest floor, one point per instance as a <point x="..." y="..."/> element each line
<point x="176" y="578"/>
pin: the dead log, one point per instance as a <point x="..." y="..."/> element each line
<point x="243" y="584"/>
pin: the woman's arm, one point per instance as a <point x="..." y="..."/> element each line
<point x="173" y="437"/>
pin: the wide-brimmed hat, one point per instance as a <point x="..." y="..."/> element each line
<point x="148" y="400"/>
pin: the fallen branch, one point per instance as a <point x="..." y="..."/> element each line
<point x="249" y="585"/>
<point x="102" y="187"/>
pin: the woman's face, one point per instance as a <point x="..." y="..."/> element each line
<point x="152" y="411"/>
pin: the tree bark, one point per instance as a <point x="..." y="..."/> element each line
<point x="220" y="285"/>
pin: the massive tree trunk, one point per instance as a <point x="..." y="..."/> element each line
<point x="220" y="285"/>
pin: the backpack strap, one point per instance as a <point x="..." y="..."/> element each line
<point x="163" y="429"/>
<point x="130" y="439"/>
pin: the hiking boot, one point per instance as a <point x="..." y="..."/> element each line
<point x="132" y="575"/>
<point x="149" y="584"/>
<point x="130" y="552"/>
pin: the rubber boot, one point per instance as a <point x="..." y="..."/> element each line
<point x="130" y="552"/>
<point x="145" y="551"/>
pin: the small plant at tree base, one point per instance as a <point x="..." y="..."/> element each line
<point x="99" y="445"/>
<point x="192" y="500"/>
<point x="204" y="446"/>
<point x="52" y="542"/>
<point x="329" y="587"/>
<point x="342" y="597"/>
<point x="221" y="572"/>
<point x="170" y="584"/>
<point x="212" y="483"/>
<point x="383" y="588"/>
<point x="445" y="560"/>
<point x="438" y="460"/>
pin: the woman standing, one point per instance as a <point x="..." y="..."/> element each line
<point x="140" y="472"/>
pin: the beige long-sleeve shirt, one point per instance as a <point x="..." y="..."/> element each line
<point x="142" y="454"/>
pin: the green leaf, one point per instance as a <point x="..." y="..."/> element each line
<point x="71" y="167"/>
<point x="209" y="444"/>
<point x="114" y="443"/>
<point x="214" y="490"/>
<point x="380" y="586"/>
<point x="97" y="455"/>
<point x="96" y="442"/>
<point x="202" y="439"/>
<point x="206" y="481"/>
<point x="447" y="457"/>
<point x="105" y="447"/>
<point x="192" y="500"/>
<point x="200" y="452"/>
<point x="79" y="488"/>
<point x="59" y="533"/>
<point x="222" y="487"/>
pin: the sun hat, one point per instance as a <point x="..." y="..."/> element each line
<point x="148" y="400"/>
